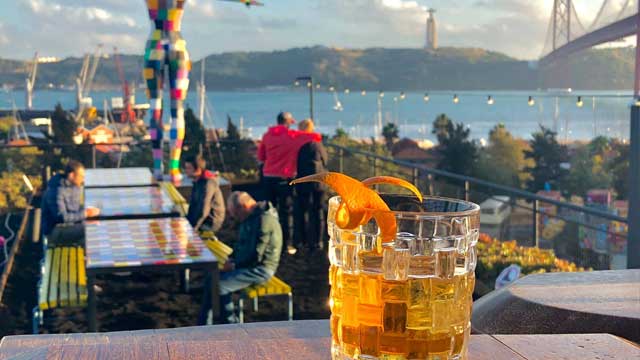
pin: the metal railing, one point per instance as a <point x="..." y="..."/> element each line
<point x="525" y="223"/>
<point x="435" y="182"/>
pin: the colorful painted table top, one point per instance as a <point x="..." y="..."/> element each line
<point x="130" y="201"/>
<point x="118" y="177"/>
<point x="143" y="242"/>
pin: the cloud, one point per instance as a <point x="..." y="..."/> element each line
<point x="528" y="8"/>
<point x="72" y="27"/>
<point x="60" y="14"/>
<point x="4" y="38"/>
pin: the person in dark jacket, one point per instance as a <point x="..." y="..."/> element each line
<point x="63" y="211"/>
<point x="256" y="253"/>
<point x="206" y="207"/>
<point x="309" y="225"/>
<point x="278" y="153"/>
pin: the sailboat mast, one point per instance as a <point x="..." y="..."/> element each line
<point x="201" y="91"/>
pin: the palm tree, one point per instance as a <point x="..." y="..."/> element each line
<point x="390" y="134"/>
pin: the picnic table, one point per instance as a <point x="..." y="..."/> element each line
<point x="118" y="177"/>
<point x="307" y="340"/>
<point x="166" y="244"/>
<point x="131" y="202"/>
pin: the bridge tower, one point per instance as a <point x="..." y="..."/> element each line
<point x="558" y="74"/>
<point x="561" y="22"/>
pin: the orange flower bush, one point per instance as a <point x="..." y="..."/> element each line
<point x="494" y="256"/>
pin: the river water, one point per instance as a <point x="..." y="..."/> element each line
<point x="256" y="110"/>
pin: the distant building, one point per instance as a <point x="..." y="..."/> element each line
<point x="432" y="31"/>
<point x="409" y="150"/>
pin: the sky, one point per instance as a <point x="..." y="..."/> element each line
<point x="63" y="28"/>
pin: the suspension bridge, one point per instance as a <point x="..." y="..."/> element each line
<point x="567" y="34"/>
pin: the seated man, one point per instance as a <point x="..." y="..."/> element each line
<point x="256" y="253"/>
<point x="206" y="207"/>
<point x="62" y="209"/>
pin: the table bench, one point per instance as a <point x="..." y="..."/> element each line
<point x="145" y="245"/>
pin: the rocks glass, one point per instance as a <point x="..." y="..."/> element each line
<point x="410" y="298"/>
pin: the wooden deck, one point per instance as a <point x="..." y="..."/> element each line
<point x="287" y="340"/>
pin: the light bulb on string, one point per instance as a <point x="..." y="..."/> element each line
<point x="531" y="102"/>
<point x="331" y="88"/>
<point x="580" y="103"/>
<point x="296" y="83"/>
<point x="490" y="100"/>
<point x="381" y="94"/>
<point x="346" y="91"/>
<point x="317" y="86"/>
<point x="456" y="99"/>
<point x="402" y="95"/>
<point x="309" y="84"/>
<point x="363" y="93"/>
<point x="426" y="97"/>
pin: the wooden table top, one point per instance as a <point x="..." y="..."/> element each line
<point x="287" y="340"/>
<point x="585" y="302"/>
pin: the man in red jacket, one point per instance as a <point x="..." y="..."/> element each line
<point x="278" y="151"/>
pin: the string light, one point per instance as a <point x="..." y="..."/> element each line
<point x="346" y="91"/>
<point x="580" y="103"/>
<point x="402" y="95"/>
<point x="456" y="99"/>
<point x="490" y="100"/>
<point x="426" y="97"/>
<point x="381" y="94"/>
<point x="363" y="93"/>
<point x="309" y="84"/>
<point x="317" y="86"/>
<point x="331" y="88"/>
<point x="531" y="102"/>
<point x="296" y="83"/>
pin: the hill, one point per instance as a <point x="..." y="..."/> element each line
<point x="371" y="69"/>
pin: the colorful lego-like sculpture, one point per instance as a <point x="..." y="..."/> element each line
<point x="166" y="50"/>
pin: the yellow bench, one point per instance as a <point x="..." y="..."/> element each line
<point x="176" y="197"/>
<point x="221" y="250"/>
<point x="63" y="281"/>
<point x="273" y="287"/>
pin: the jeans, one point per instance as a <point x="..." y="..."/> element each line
<point x="67" y="235"/>
<point x="279" y="193"/>
<point x="230" y="282"/>
<point x="308" y="218"/>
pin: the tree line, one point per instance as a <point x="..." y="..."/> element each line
<point x="538" y="163"/>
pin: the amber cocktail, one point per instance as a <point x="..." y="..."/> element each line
<point x="409" y="297"/>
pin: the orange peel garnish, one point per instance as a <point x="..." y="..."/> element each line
<point x="390" y="180"/>
<point x="359" y="204"/>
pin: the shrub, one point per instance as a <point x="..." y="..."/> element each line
<point x="494" y="256"/>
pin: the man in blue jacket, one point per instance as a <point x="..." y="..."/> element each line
<point x="62" y="207"/>
<point x="256" y="253"/>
